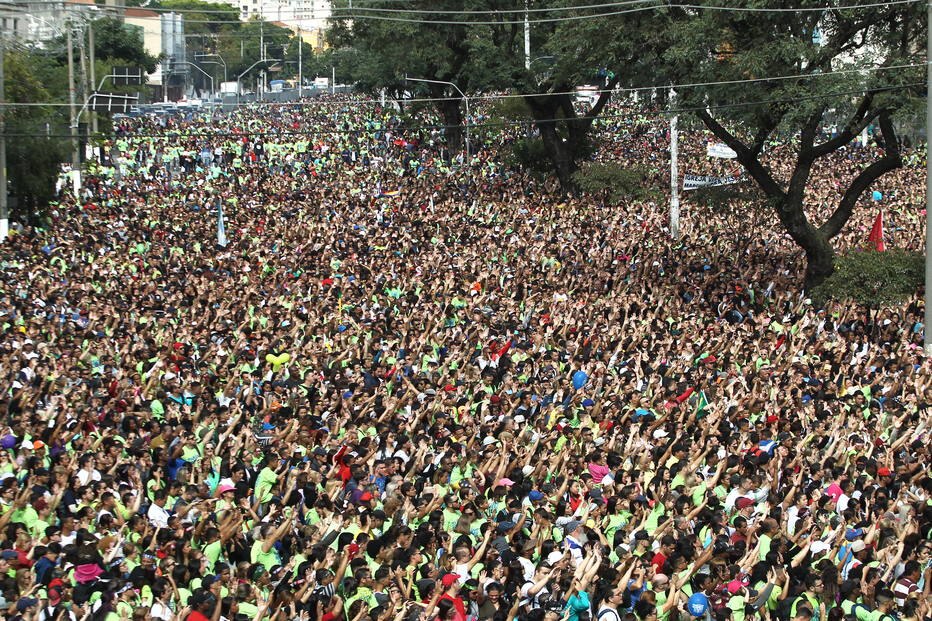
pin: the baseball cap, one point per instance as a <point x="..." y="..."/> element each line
<point x="883" y="472"/>
<point x="743" y="503"/>
<point x="25" y="603"/>
<point x="449" y="579"/>
<point x="535" y="495"/>
<point x="571" y="526"/>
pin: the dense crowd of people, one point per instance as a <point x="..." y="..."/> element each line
<point x="406" y="384"/>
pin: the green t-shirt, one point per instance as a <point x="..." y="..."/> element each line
<point x="213" y="551"/>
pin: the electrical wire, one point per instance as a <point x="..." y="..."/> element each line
<point x="521" y="11"/>
<point x="495" y="124"/>
<point x="620" y="90"/>
<point x="354" y="14"/>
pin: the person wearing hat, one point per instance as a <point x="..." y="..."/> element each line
<point x="451" y="592"/>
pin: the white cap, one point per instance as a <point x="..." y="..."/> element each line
<point x="819" y="547"/>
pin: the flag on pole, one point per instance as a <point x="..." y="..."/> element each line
<point x="221" y="230"/>
<point x="876" y="236"/>
<point x="701" y="404"/>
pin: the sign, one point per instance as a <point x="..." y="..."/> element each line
<point x="721" y="150"/>
<point x="127" y="76"/>
<point x="112" y="103"/>
<point x="691" y="182"/>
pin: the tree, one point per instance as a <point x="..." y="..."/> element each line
<point x="821" y="43"/>
<point x="874" y="279"/>
<point x="615" y="183"/>
<point x="34" y="147"/>
<point x="115" y="42"/>
<point x="385" y="52"/>
<point x="242" y="50"/>
<point x="479" y="46"/>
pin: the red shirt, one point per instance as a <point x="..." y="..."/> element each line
<point x="457" y="605"/>
<point x="658" y="561"/>
<point x="196" y="616"/>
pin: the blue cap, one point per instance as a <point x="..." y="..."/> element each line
<point x="535" y="495"/>
<point x="588" y="403"/>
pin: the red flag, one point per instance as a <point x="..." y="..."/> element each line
<point x="876" y="236"/>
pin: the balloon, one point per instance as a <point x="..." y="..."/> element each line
<point x="277" y="361"/>
<point x="877" y="196"/>
<point x="579" y="379"/>
<point x="697" y="605"/>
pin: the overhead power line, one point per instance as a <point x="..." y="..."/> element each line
<point x="368" y="13"/>
<point x="490" y="124"/>
<point x="637" y="89"/>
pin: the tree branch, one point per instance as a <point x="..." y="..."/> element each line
<point x="858" y="121"/>
<point x="746" y="156"/>
<point x="891" y="160"/>
<point x="800" y="177"/>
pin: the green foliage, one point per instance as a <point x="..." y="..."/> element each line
<point x="115" y="41"/>
<point x="722" y="198"/>
<point x="874" y="278"/>
<point x="615" y="182"/>
<point x="529" y="154"/>
<point x="202" y="17"/>
<point x="32" y="158"/>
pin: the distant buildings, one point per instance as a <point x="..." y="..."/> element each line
<point x="308" y="16"/>
<point x="35" y="22"/>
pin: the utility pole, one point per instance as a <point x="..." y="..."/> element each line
<point x="527" y="35"/>
<point x="93" y="59"/>
<point x="4" y="210"/>
<point x="75" y="158"/>
<point x="927" y="338"/>
<point x="674" y="173"/>
<point x="300" y="63"/>
<point x="85" y="86"/>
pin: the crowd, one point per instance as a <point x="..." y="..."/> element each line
<point x="408" y="385"/>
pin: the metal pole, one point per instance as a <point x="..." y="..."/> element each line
<point x="674" y="173"/>
<point x="927" y="339"/>
<point x="468" y="159"/>
<point x="86" y="86"/>
<point x="75" y="157"/>
<point x="333" y="80"/>
<point x="93" y="58"/>
<point x="527" y="36"/>
<point x="4" y="211"/>
<point x="300" y="63"/>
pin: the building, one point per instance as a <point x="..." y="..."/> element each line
<point x="149" y="25"/>
<point x="36" y="22"/>
<point x="306" y="15"/>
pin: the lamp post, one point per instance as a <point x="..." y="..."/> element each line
<point x="462" y="94"/>
<point x="209" y="77"/>
<point x="214" y="62"/>
<point x="250" y="68"/>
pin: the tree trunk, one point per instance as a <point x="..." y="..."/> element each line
<point x="820" y="262"/>
<point x="545" y="111"/>
<point x="453" y="123"/>
<point x="560" y="156"/>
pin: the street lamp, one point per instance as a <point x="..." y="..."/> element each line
<point x="209" y="77"/>
<point x="462" y="94"/>
<point x="250" y="68"/>
<point x="213" y="62"/>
